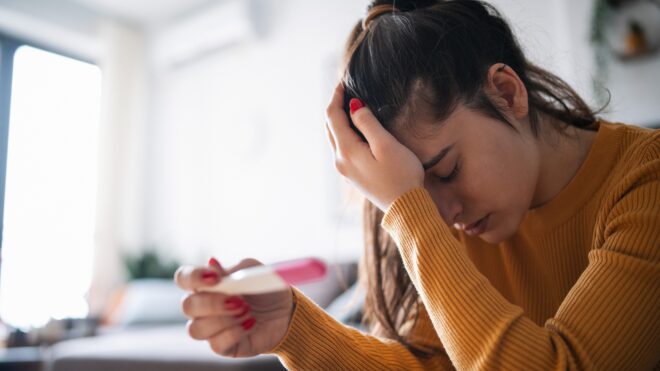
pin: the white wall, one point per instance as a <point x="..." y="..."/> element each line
<point x="239" y="164"/>
<point x="556" y="35"/>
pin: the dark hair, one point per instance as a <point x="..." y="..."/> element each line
<point x="434" y="54"/>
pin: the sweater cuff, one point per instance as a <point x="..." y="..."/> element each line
<point x="404" y="216"/>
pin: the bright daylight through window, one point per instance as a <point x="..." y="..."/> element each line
<point x="50" y="188"/>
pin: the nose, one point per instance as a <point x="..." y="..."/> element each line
<point x="448" y="204"/>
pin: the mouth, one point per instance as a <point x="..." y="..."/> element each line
<point x="477" y="227"/>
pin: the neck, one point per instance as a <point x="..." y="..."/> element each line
<point x="561" y="156"/>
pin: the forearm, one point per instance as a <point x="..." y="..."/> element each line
<point x="317" y="341"/>
<point x="480" y="329"/>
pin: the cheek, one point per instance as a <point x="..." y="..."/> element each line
<point x="502" y="184"/>
<point x="486" y="186"/>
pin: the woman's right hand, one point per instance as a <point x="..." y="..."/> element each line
<point x="234" y="326"/>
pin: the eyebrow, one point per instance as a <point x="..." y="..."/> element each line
<point x="435" y="159"/>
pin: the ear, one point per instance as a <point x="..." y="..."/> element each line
<point x="505" y="87"/>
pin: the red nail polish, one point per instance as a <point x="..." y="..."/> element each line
<point x="215" y="263"/>
<point x="234" y="302"/>
<point x="210" y="276"/>
<point x="243" y="312"/>
<point x="355" y="104"/>
<point x="248" y="323"/>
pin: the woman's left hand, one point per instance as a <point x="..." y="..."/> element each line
<point x="382" y="169"/>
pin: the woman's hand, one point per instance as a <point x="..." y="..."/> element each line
<point x="234" y="326"/>
<point x="382" y="169"/>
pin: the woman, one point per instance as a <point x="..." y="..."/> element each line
<point x="507" y="227"/>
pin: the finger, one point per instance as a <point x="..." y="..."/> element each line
<point x="204" y="304"/>
<point x="224" y="342"/>
<point x="207" y="327"/>
<point x="245" y="263"/>
<point x="190" y="278"/>
<point x="346" y="139"/>
<point x="215" y="264"/>
<point x="331" y="138"/>
<point x="377" y="136"/>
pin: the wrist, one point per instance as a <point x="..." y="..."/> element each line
<point x="294" y="302"/>
<point x="389" y="204"/>
<point x="287" y="323"/>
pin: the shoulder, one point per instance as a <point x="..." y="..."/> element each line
<point x="637" y="144"/>
<point x="638" y="157"/>
<point x="630" y="212"/>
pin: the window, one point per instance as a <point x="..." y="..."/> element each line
<point x="50" y="187"/>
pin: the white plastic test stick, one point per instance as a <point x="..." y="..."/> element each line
<point x="270" y="278"/>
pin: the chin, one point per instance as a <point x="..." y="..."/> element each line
<point x="491" y="238"/>
<point x="497" y="233"/>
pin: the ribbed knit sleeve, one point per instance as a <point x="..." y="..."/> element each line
<point x="608" y="321"/>
<point x="316" y="341"/>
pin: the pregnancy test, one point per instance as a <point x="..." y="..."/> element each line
<point x="269" y="278"/>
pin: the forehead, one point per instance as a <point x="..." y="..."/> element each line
<point x="425" y="137"/>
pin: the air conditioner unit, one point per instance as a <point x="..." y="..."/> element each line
<point x="204" y="32"/>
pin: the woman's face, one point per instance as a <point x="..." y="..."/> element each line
<point x="480" y="172"/>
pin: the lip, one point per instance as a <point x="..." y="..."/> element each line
<point x="478" y="227"/>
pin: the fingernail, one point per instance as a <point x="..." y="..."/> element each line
<point x="355" y="104"/>
<point x="234" y="302"/>
<point x="246" y="309"/>
<point x="210" y="276"/>
<point x="248" y="323"/>
<point x="213" y="262"/>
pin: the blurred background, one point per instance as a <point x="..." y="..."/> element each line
<point x="138" y="135"/>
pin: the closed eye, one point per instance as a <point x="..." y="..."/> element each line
<point x="449" y="178"/>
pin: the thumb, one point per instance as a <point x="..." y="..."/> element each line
<point x="364" y="119"/>
<point x="215" y="265"/>
<point x="245" y="263"/>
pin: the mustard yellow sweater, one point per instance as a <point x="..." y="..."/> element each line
<point x="577" y="287"/>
